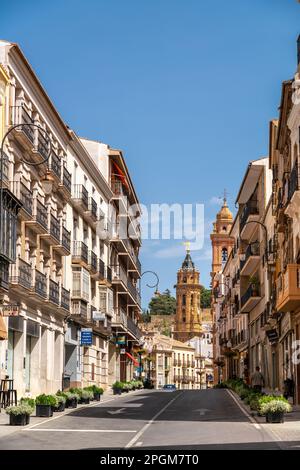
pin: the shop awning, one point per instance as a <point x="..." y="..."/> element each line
<point x="135" y="362"/>
<point x="3" y="329"/>
<point x="121" y="175"/>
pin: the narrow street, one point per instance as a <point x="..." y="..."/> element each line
<point x="192" y="419"/>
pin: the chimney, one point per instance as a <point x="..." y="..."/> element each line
<point x="298" y="50"/>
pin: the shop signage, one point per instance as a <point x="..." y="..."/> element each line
<point x="99" y="316"/>
<point x="86" y="337"/>
<point x="272" y="335"/>
<point x="10" y="310"/>
<point x="123" y="351"/>
<point x="121" y="340"/>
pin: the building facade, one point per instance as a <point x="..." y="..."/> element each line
<point x="65" y="198"/>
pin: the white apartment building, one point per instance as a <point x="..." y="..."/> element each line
<point x="61" y="280"/>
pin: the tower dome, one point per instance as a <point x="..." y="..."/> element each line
<point x="224" y="213"/>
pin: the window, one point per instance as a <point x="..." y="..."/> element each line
<point x="184" y="299"/>
<point x="224" y="255"/>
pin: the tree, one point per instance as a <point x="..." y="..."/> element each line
<point x="163" y="304"/>
<point x="205" y="297"/>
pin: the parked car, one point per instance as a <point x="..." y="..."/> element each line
<point x="169" y="388"/>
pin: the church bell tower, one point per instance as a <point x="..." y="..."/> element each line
<point x="188" y="292"/>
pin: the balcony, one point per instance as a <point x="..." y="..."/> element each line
<point x="4" y="275"/>
<point x="101" y="269"/>
<point x="53" y="234"/>
<point x="65" y="299"/>
<point x="250" y="213"/>
<point x="92" y="263"/>
<point x="251" y="259"/>
<point x="92" y="211"/>
<point x="21" y="275"/>
<point x="43" y="145"/>
<point x="64" y="247"/>
<point x="39" y="221"/>
<point x="109" y="274"/>
<point x="293" y="197"/>
<point x="65" y="185"/>
<point x="5" y="170"/>
<point x="80" y="254"/>
<point x="250" y="299"/>
<point x="79" y="309"/>
<point x="80" y="284"/>
<point x="124" y="323"/>
<point x="25" y="197"/>
<point x="119" y="237"/>
<point x="288" y="289"/>
<point x="120" y="195"/>
<point x="25" y="134"/>
<point x="120" y="276"/>
<point x="80" y="197"/>
<point x="54" y="165"/>
<point x="53" y="292"/>
<point x="40" y="284"/>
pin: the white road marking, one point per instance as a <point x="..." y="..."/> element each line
<point x="144" y="428"/>
<point x="80" y="408"/>
<point x="116" y="412"/>
<point x="78" y="430"/>
<point x="202" y="411"/>
<point x="139" y="444"/>
<point x="251" y="419"/>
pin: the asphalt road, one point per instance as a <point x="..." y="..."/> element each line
<point x="192" y="419"/>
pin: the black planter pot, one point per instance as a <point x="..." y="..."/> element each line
<point x="84" y="401"/>
<point x="19" y="420"/>
<point x="117" y="391"/>
<point x="275" y="417"/>
<point x="97" y="396"/>
<point x="44" y="411"/>
<point x="71" y="403"/>
<point x="59" y="408"/>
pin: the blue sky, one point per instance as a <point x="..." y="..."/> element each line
<point x="185" y="87"/>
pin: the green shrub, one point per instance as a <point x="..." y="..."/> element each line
<point x="72" y="396"/>
<point x="94" y="389"/>
<point x="46" y="400"/>
<point x="118" y="385"/>
<point x="24" y="409"/>
<point x="275" y="406"/>
<point x="27" y="401"/>
<point x="60" y="399"/>
<point x="265" y="399"/>
<point x="87" y="394"/>
<point x="76" y="390"/>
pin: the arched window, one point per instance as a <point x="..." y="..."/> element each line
<point x="184" y="299"/>
<point x="192" y="299"/>
<point x="224" y="255"/>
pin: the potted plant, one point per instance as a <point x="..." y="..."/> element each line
<point x="275" y="410"/>
<point x="60" y="403"/>
<point x="71" y="399"/>
<point x="44" y="405"/>
<point x="126" y="387"/>
<point x="254" y="282"/>
<point x="86" y="396"/>
<point x="19" y="415"/>
<point x="30" y="402"/>
<point x="117" y="387"/>
<point x="97" y="391"/>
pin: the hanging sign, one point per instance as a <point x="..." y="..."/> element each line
<point x="86" y="337"/>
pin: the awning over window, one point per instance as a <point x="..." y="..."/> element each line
<point x="121" y="175"/>
<point x="135" y="362"/>
<point x="3" y="329"/>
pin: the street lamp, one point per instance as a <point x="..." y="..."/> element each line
<point x="157" y="281"/>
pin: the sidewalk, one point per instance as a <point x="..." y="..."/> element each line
<point x="6" y="429"/>
<point x="287" y="434"/>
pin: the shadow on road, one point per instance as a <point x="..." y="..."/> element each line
<point x="192" y="405"/>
